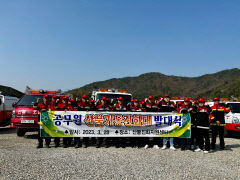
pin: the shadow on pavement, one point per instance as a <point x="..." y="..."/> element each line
<point x="7" y="130"/>
<point x="230" y="146"/>
<point x="31" y="136"/>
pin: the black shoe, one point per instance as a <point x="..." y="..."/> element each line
<point x="40" y="146"/>
<point x="65" y="146"/>
<point x="106" y="146"/>
<point x="222" y="148"/>
<point x="56" y="145"/>
<point x="77" y="145"/>
<point x="213" y="147"/>
<point x="84" y="146"/>
<point x="98" y="146"/>
<point x="48" y="146"/>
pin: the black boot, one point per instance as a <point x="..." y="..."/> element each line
<point x="40" y="146"/>
<point x="48" y="146"/>
<point x="78" y="145"/>
<point x="57" y="145"/>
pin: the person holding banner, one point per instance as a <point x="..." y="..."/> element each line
<point x="185" y="108"/>
<point x="83" y="105"/>
<point x="202" y="124"/>
<point x="120" y="108"/>
<point x="42" y="107"/>
<point x="103" y="106"/>
<point x="167" y="106"/>
<point x="54" y="107"/>
<point x="66" y="106"/>
<point x="150" y="106"/>
<point x="135" y="141"/>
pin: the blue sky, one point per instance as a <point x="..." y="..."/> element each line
<point x="65" y="44"/>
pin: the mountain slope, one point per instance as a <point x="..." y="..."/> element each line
<point x="8" y="91"/>
<point x="224" y="83"/>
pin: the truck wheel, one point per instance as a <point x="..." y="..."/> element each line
<point x="20" y="132"/>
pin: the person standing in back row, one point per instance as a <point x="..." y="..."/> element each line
<point x="66" y="106"/>
<point x="150" y="106"/>
<point x="83" y="105"/>
<point x="119" y="107"/>
<point x="103" y="106"/>
<point x="218" y="122"/>
<point x="202" y="124"/>
<point x="167" y="106"/>
<point x="54" y="107"/>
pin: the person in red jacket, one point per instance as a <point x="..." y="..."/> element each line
<point x="218" y="122"/>
<point x="185" y="108"/>
<point x="120" y="107"/>
<point x="52" y="100"/>
<point x="136" y="141"/>
<point x="54" y="107"/>
<point x="136" y="106"/>
<point x="178" y="106"/>
<point x="83" y="105"/>
<point x="150" y="106"/>
<point x="167" y="106"/>
<point x="42" y="107"/>
<point x="66" y="106"/>
<point x="103" y="106"/>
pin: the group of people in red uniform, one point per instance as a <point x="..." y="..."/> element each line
<point x="203" y="117"/>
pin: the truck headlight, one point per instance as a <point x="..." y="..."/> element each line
<point x="13" y="114"/>
<point x="235" y="120"/>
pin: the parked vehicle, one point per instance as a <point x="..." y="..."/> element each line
<point x="6" y="109"/>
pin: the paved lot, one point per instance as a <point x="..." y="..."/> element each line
<point x="19" y="159"/>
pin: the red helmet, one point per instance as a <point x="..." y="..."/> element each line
<point x="54" y="96"/>
<point x="201" y="100"/>
<point x="150" y="97"/>
<point x="195" y="101"/>
<point x="78" y="99"/>
<point x="72" y="100"/>
<point x="179" y="102"/>
<point x="136" y="100"/>
<point x="160" y="98"/>
<point x="167" y="95"/>
<point x="186" y="99"/>
<point x="84" y="96"/>
<point x="45" y="96"/>
<point x="120" y="98"/>
<point x="65" y="98"/>
<point x="92" y="101"/>
<point x="216" y="99"/>
<point x="132" y="100"/>
<point x="103" y="98"/>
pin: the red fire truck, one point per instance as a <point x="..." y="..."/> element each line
<point x="6" y="109"/>
<point x="24" y="117"/>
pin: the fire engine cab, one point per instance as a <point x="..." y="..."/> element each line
<point x="6" y="108"/>
<point x="112" y="94"/>
<point x="24" y="117"/>
<point x="232" y="119"/>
